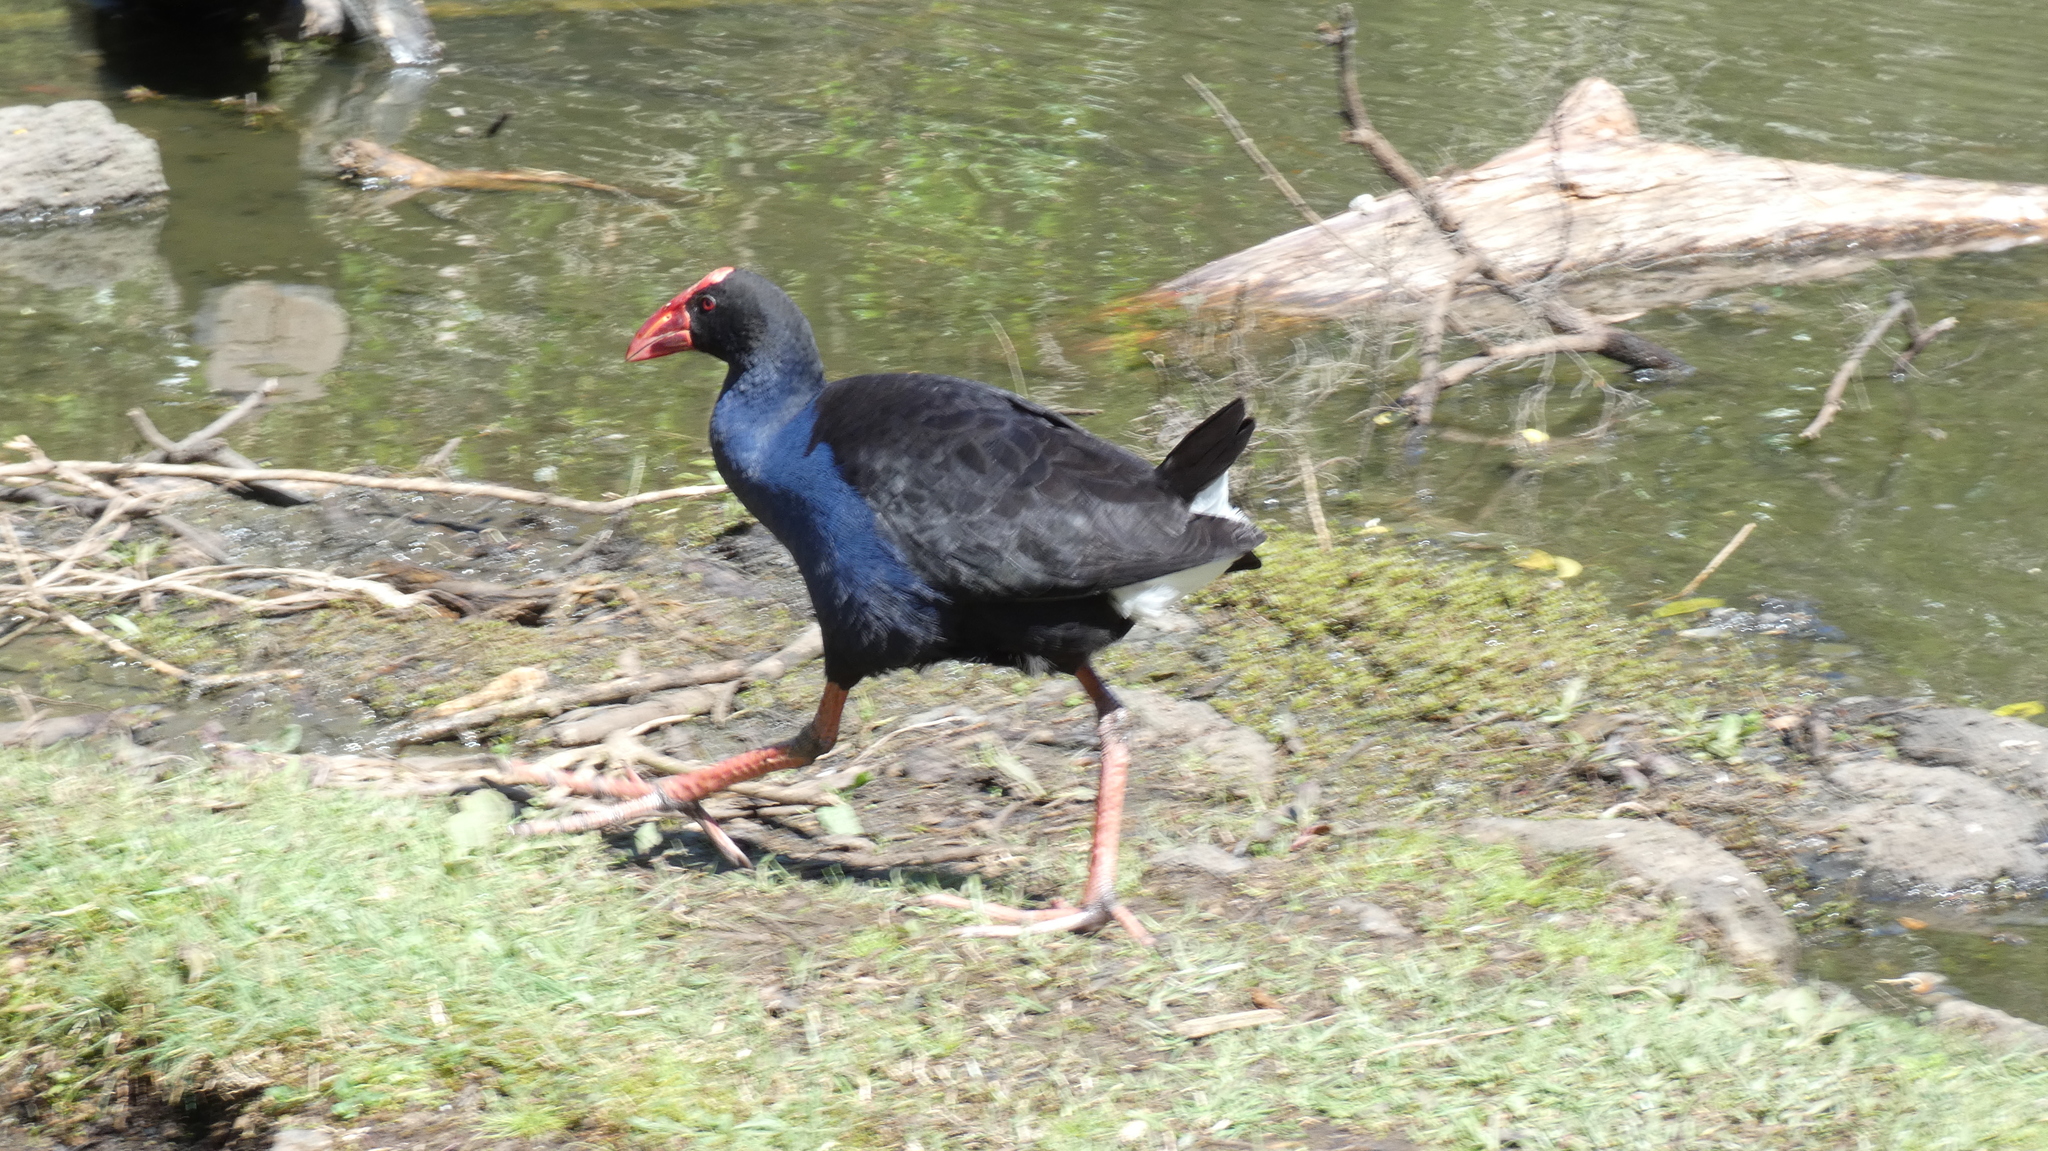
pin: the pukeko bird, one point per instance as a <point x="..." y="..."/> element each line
<point x="936" y="518"/>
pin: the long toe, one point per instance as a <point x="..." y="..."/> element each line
<point x="1040" y="921"/>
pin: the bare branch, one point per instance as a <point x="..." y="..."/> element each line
<point x="1921" y="339"/>
<point x="1562" y="317"/>
<point x="343" y="479"/>
<point x="1832" y="401"/>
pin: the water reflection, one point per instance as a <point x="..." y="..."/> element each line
<point x="258" y="331"/>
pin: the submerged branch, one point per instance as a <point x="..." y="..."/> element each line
<point x="1832" y="402"/>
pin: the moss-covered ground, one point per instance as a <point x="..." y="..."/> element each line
<point x="192" y="949"/>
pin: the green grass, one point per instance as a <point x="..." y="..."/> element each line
<point x="340" y="956"/>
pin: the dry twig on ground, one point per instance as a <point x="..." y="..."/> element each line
<point x="804" y="648"/>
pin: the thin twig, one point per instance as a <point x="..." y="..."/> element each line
<point x="157" y="439"/>
<point x="1921" y="339"/>
<point x="805" y="647"/>
<point x="1832" y="401"/>
<point x="228" y="419"/>
<point x="1251" y="149"/>
<point x="438" y="462"/>
<point x="1266" y="168"/>
<point x="1313" y="494"/>
<point x="343" y="479"/>
<point x="1420" y="398"/>
<point x="1719" y="558"/>
<point x="1429" y="343"/>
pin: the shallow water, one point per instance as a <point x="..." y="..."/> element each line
<point x="929" y="179"/>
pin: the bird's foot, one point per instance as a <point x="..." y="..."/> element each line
<point x="1042" y="921"/>
<point x="642" y="798"/>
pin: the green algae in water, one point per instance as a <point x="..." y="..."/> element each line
<point x="1380" y="631"/>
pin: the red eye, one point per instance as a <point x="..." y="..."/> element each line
<point x="706" y="303"/>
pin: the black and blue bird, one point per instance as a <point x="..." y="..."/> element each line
<point x="936" y="518"/>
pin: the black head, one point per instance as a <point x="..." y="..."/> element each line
<point x="731" y="314"/>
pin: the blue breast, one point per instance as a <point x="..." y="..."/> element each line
<point x="872" y="607"/>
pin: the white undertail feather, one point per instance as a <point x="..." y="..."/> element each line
<point x="1214" y="500"/>
<point x="1151" y="597"/>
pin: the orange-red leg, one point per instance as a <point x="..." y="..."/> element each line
<point x="1098" y="894"/>
<point x="644" y="797"/>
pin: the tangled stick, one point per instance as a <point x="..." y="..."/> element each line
<point x="11" y="474"/>
<point x="1576" y="329"/>
<point x="807" y="646"/>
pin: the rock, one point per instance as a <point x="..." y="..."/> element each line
<point x="1376" y="920"/>
<point x="1164" y="715"/>
<point x="1206" y="857"/>
<point x="1952" y="1012"/>
<point x="73" y="159"/>
<point x="107" y="253"/>
<point x="2010" y="752"/>
<point x="1938" y="827"/>
<point x="1241" y="756"/>
<point x="1995" y="1027"/>
<point x="301" y="1139"/>
<point x="1678" y="862"/>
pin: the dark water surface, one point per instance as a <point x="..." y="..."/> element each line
<point x="923" y="175"/>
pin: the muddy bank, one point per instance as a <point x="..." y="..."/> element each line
<point x="1391" y="683"/>
<point x="1335" y="708"/>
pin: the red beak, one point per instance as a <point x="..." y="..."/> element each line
<point x="667" y="331"/>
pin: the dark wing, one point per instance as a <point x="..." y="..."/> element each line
<point x="989" y="496"/>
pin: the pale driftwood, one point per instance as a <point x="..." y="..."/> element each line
<point x="1720" y="557"/>
<point x="12" y="473"/>
<point x="369" y="160"/>
<point x="1590" y="197"/>
<point x="806" y="647"/>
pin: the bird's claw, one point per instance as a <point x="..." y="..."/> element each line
<point x="1041" y="921"/>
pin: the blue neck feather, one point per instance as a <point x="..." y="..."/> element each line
<point x="872" y="607"/>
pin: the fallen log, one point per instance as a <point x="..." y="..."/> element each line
<point x="1620" y="222"/>
<point x="368" y="160"/>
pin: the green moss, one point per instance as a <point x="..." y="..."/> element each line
<point x="1381" y="631"/>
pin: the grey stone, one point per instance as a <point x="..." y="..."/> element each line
<point x="1939" y="827"/>
<point x="1376" y="920"/>
<point x="2012" y="752"/>
<point x="1995" y="1027"/>
<point x="1680" y="863"/>
<point x="301" y="1139"/>
<point x="1241" y="756"/>
<point x="1202" y="857"/>
<point x="88" y="257"/>
<point x="72" y="159"/>
<point x="1173" y="718"/>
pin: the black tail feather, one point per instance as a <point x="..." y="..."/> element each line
<point x="1208" y="451"/>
